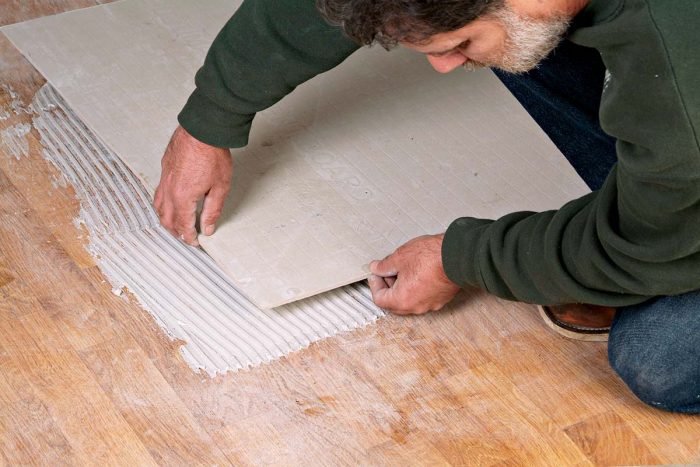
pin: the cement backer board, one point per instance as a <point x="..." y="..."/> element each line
<point x="344" y="170"/>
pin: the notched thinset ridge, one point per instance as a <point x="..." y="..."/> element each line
<point x="185" y="291"/>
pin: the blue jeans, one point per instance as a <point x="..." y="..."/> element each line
<point x="654" y="346"/>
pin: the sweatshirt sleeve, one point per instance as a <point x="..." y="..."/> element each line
<point x="639" y="235"/>
<point x="264" y="51"/>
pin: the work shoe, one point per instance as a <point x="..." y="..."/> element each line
<point x="578" y="321"/>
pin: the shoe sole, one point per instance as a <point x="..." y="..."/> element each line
<point x="573" y="332"/>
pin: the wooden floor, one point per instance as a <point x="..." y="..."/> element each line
<point x="89" y="378"/>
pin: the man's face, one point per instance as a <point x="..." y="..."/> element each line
<point x="505" y="39"/>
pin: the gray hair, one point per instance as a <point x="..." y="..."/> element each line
<point x="388" y="22"/>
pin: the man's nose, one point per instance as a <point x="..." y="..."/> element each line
<point x="447" y="63"/>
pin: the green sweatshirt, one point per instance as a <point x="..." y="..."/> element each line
<point x="635" y="238"/>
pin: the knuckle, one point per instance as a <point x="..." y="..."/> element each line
<point x="183" y="231"/>
<point x="225" y="178"/>
<point x="180" y="197"/>
<point x="180" y="225"/>
<point x="212" y="215"/>
<point x="404" y="298"/>
<point x="183" y="217"/>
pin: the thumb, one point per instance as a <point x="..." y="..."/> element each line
<point x="211" y="209"/>
<point x="385" y="268"/>
<point x="382" y="295"/>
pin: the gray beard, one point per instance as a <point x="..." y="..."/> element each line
<point x="528" y="41"/>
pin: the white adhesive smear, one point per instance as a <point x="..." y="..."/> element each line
<point x="182" y="287"/>
<point x="16" y="105"/>
<point x="14" y="138"/>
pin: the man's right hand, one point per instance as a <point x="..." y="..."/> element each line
<point x="192" y="170"/>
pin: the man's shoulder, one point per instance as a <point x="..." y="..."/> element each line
<point x="671" y="16"/>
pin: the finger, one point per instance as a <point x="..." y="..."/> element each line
<point x="378" y="288"/>
<point x="383" y="295"/>
<point x="376" y="284"/>
<point x="189" y="235"/>
<point x="158" y="198"/>
<point x="212" y="208"/>
<point x="388" y="281"/>
<point x="185" y="216"/>
<point x="386" y="267"/>
<point x="166" y="216"/>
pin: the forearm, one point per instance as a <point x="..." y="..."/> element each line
<point x="579" y="254"/>
<point x="265" y="50"/>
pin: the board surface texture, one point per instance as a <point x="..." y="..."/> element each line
<point x="344" y="170"/>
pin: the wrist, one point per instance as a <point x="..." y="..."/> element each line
<point x="191" y="145"/>
<point x="439" y="239"/>
<point x="191" y="141"/>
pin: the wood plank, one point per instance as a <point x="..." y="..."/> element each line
<point x="95" y="430"/>
<point x="667" y="444"/>
<point x="414" y="451"/>
<point x="150" y="405"/>
<point x="5" y="277"/>
<point x="16" y="299"/>
<point x="512" y="418"/>
<point x="14" y="11"/>
<point x="26" y="425"/>
<point x="601" y="436"/>
<point x="45" y="268"/>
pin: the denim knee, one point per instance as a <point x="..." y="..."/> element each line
<point x="658" y="365"/>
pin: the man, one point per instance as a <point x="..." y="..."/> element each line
<point x="633" y="243"/>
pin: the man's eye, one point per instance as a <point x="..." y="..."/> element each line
<point x="464" y="44"/>
<point x="447" y="52"/>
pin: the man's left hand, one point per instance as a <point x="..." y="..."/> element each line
<point x="412" y="280"/>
